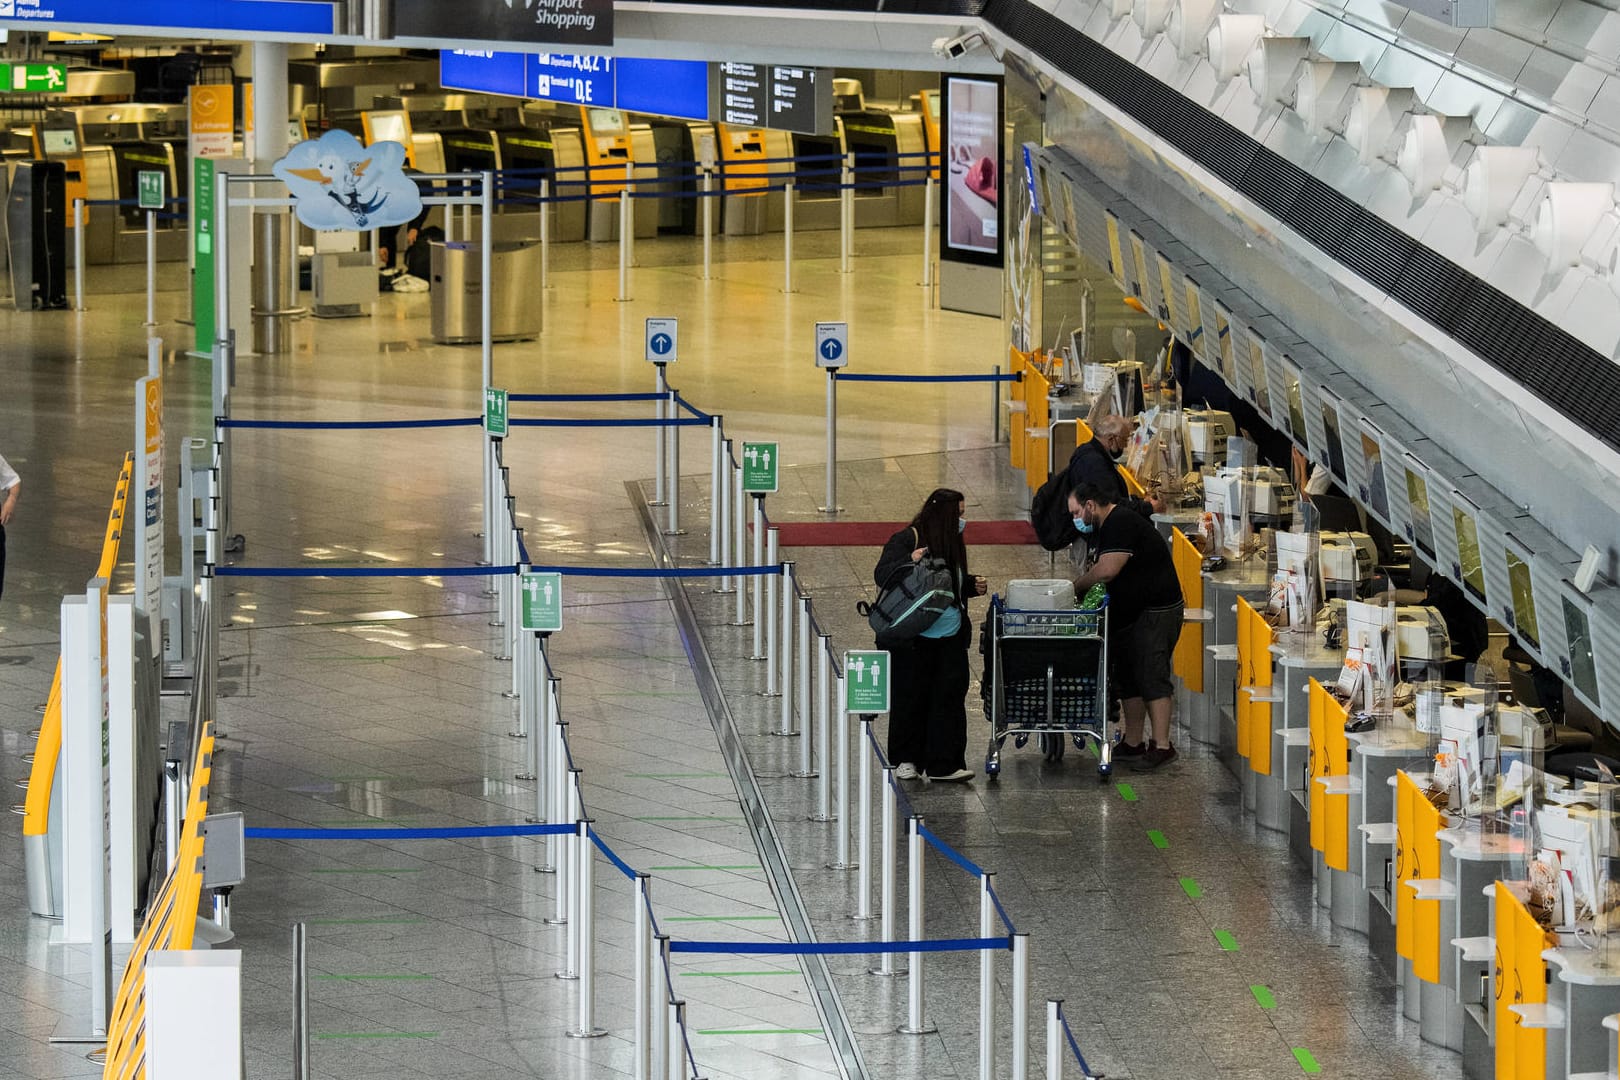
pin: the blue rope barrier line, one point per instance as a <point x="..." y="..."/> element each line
<point x="660" y="572"/>
<point x="608" y="853"/>
<point x="650" y="396"/>
<point x="1074" y="1046"/>
<point x="833" y="948"/>
<point x="1002" y="911"/>
<point x="363" y="571"/>
<point x="693" y="409"/>
<point x="447" y="833"/>
<point x="516" y="422"/>
<point x="341" y="425"/>
<point x="878" y="377"/>
<point x="949" y="852"/>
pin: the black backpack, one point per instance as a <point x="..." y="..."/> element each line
<point x="1049" y="512"/>
<point x="912" y="604"/>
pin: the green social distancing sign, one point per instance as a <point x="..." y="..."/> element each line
<point x="866" y="681"/>
<point x="149" y="189"/>
<point x="541" y="594"/>
<point x="495" y="411"/>
<point x="759" y="465"/>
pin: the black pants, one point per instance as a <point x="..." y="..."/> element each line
<point x="928" y="706"/>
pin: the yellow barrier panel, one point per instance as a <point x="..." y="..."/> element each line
<point x="1261" y="637"/>
<point x="1188" y="660"/>
<point x="1016" y="439"/>
<point x="1417" y="857"/>
<point x="48" y="748"/>
<point x="171" y="923"/>
<point x="1521" y="1052"/>
<point x="1037" y="451"/>
<point x="1330" y="757"/>
<point x="1245" y="676"/>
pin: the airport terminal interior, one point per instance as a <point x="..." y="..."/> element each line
<point x="429" y="642"/>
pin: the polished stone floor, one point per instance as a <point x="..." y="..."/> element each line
<point x="378" y="701"/>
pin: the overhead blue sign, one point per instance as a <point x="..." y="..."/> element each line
<point x="265" y="16"/>
<point x="677" y="88"/>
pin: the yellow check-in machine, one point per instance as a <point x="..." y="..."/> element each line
<point x="742" y="156"/>
<point x="927" y="102"/>
<point x="394" y="125"/>
<point x="607" y="149"/>
<point x="612" y="145"/>
<point x="57" y="138"/>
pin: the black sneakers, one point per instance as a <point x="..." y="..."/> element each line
<point x="1123" y="749"/>
<point x="1153" y="757"/>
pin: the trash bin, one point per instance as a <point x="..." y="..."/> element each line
<point x="457" y="296"/>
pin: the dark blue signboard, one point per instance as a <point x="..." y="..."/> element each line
<point x="664" y="88"/>
<point x="678" y="88"/>
<point x="262" y="16"/>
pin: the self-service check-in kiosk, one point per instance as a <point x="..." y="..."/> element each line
<point x="121" y="142"/>
<point x="613" y="145"/>
<point x="57" y="138"/>
<point x="36" y="234"/>
<point x="816" y="178"/>
<point x="551" y="149"/>
<point x="677" y="144"/>
<point x="888" y="149"/>
<point x="743" y="177"/>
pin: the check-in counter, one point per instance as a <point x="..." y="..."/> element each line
<point x="1584" y="993"/>
<point x="1299" y="657"/>
<point x="1187" y="662"/>
<point x="548" y="150"/>
<point x="678" y="145"/>
<point x="1222" y="589"/>
<point x="1528" y="1031"/>
<point x="890" y="165"/>
<point x="744" y="177"/>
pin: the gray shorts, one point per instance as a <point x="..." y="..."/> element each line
<point x="1142" y="653"/>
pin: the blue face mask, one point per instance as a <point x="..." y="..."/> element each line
<point x="1084" y="526"/>
<point x="961" y="524"/>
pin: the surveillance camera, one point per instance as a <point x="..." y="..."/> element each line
<point x="956" y="47"/>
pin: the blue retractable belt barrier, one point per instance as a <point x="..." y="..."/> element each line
<point x="649" y="396"/>
<point x="623" y="867"/>
<point x="829" y="948"/>
<point x="341" y="425"/>
<point x="1006" y="918"/>
<point x="448" y="833"/>
<point x="876" y="377"/>
<point x="689" y="422"/>
<point x="950" y="853"/>
<point x="363" y="571"/>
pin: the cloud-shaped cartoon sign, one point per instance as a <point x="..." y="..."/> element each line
<point x="339" y="184"/>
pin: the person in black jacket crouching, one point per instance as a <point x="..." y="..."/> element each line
<point x="928" y="695"/>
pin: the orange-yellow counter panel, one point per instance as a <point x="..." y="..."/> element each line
<point x="1330" y="756"/>
<point x="1261" y="637"/>
<point x="1188" y="660"/>
<point x="1521" y="1052"/>
<point x="1417" y="856"/>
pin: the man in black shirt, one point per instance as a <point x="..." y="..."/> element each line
<point x="1145" y="613"/>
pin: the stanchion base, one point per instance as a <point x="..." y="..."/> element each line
<point x="811" y="775"/>
<point x="517" y="734"/>
<point x="556" y="922"/>
<point x="741" y="622"/>
<point x="586" y="1033"/>
<point x="545" y="869"/>
<point x="891" y="973"/>
<point x="926" y="1029"/>
<point x="510" y="696"/>
<point x="862" y="918"/>
<point x="523" y="776"/>
<point x="756" y="659"/>
<point x="501" y="659"/>
<point x="843" y="866"/>
<point x="767" y="693"/>
<point x="820" y="817"/>
<point x="674" y="532"/>
<point x="782" y="734"/>
<point x="497" y="622"/>
<point x="830" y="509"/>
<point x="723" y="592"/>
<point x="566" y="976"/>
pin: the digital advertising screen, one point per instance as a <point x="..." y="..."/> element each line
<point x="970" y="139"/>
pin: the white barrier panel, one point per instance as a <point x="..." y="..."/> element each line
<point x="194" y="1013"/>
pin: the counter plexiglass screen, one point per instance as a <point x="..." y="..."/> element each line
<point x="1582" y="669"/>
<point x="1524" y="601"/>
<point x="1473" y="571"/>
<point x="1417" y="497"/>
<point x="972" y="160"/>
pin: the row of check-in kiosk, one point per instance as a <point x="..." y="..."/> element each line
<point x="583" y="151"/>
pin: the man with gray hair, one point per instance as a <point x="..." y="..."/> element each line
<point x="1096" y="464"/>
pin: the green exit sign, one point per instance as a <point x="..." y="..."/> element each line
<point x="33" y="78"/>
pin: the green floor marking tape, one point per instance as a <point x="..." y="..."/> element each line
<point x="380" y="920"/>
<point x="1126" y="792"/>
<point x="377" y="1035"/>
<point x="721" y="918"/>
<point x="759" y="1031"/>
<point x="1158" y="839"/>
<point x="1190" y="887"/>
<point x="675" y="775"/>
<point x="371" y="870"/>
<point x="1226" y="940"/>
<point x="376" y="978"/>
<point x="700" y="866"/>
<point x="1263" y="997"/>
<point x="732" y="974"/>
<point x="1307" y="1061"/>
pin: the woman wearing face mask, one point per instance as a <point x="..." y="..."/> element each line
<point x="928" y="713"/>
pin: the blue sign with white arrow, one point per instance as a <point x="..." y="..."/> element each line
<point x="661" y="338"/>
<point x="832" y="344"/>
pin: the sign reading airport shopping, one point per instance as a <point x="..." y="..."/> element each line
<point x="970" y="135"/>
<point x="540" y="22"/>
<point x="337" y="184"/>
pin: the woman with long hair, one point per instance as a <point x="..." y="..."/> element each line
<point x="928" y="711"/>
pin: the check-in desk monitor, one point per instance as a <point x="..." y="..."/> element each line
<point x="607" y="149"/>
<point x="61" y="142"/>
<point x="1296" y="414"/>
<point x="1524" y="601"/>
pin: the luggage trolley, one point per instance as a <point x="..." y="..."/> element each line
<point x="1047" y="676"/>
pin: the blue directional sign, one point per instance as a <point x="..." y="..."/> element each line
<point x="659" y="87"/>
<point x="572" y="78"/>
<point x="260" y="16"/>
<point x="484" y="72"/>
<point x="661" y="341"/>
<point x="832" y="344"/>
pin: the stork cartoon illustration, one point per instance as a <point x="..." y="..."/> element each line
<point x="342" y="180"/>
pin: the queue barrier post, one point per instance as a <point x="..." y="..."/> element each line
<point x="722" y="496"/>
<point x="673" y="433"/>
<point x="78" y="254"/>
<point x="846" y="206"/>
<point x="739" y="501"/>
<point x="841" y="812"/>
<point x="171" y="812"/>
<point x="568" y="882"/>
<point x="759" y="579"/>
<point x="151" y="268"/>
<point x="626" y="230"/>
<point x="655" y="1008"/>
<point x="809" y="726"/>
<point x="641" y="920"/>
<point x="916" y="1023"/>
<point x="661" y="388"/>
<point x="928" y="233"/>
<point x="1020" y="1006"/>
<point x="301" y="1064"/>
<point x="545" y="233"/>
<point x="863" y="816"/>
<point x="708" y="218"/>
<point x="890" y="806"/>
<point x="832" y="506"/>
<point x="773" y="588"/>
<point x="788" y="591"/>
<point x="787" y="237"/>
<point x="585" y="930"/>
<point x="716" y="486"/>
<point x="677" y="1020"/>
<point x="801" y="643"/>
<point x="987" y="979"/>
<point x="522" y="680"/>
<point x="558" y="793"/>
<point x="832" y="691"/>
<point x="1054" y="1039"/>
